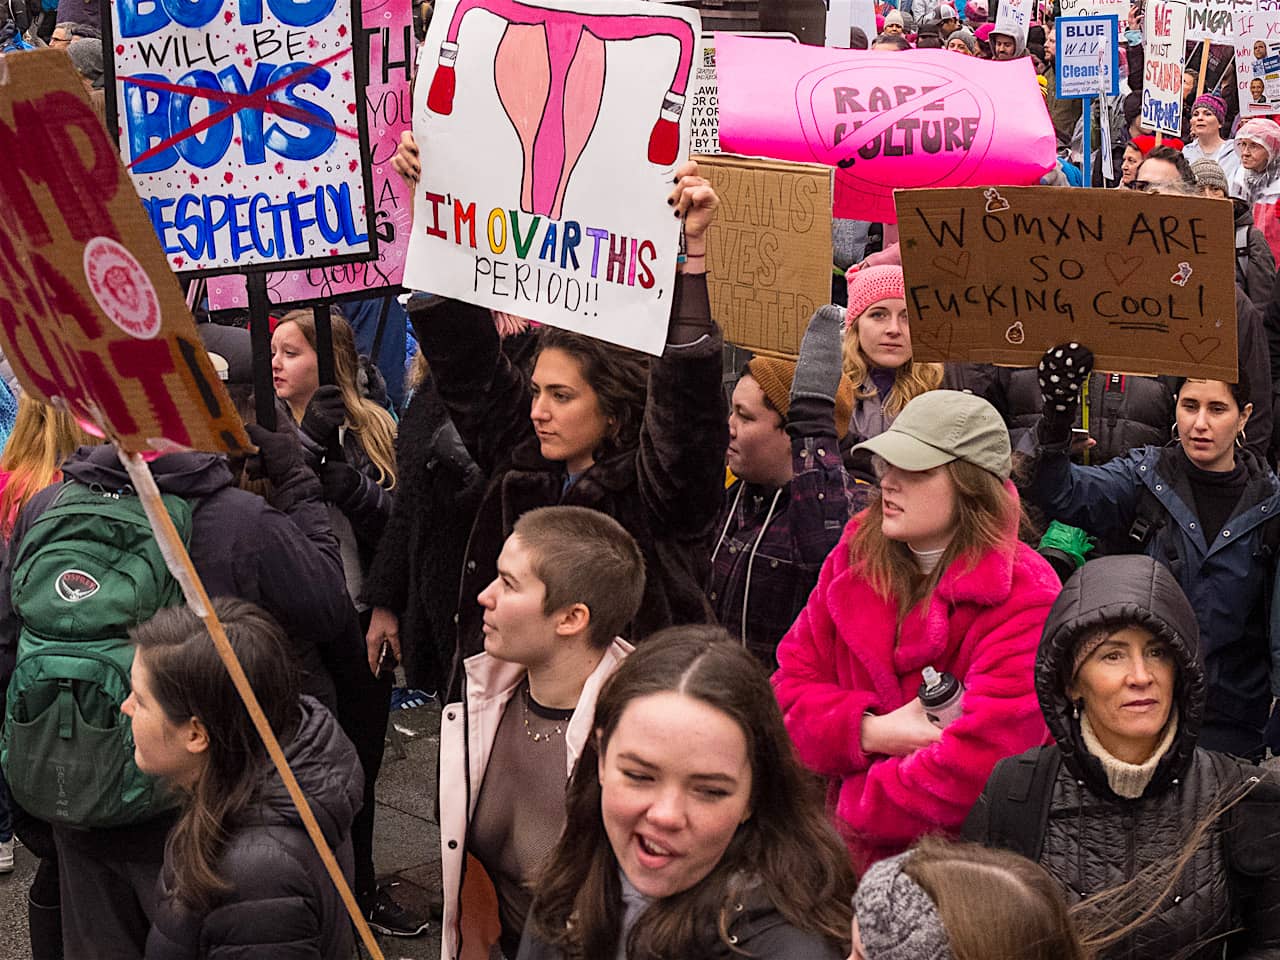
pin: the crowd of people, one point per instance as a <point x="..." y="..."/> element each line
<point x="838" y="655"/>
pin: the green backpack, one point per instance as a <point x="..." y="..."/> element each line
<point x="86" y="572"/>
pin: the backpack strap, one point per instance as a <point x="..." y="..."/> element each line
<point x="1019" y="794"/>
<point x="1149" y="518"/>
<point x="1242" y="256"/>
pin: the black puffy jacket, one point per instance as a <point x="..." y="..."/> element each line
<point x="283" y="904"/>
<point x="1094" y="840"/>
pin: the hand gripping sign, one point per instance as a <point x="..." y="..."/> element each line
<point x="885" y="121"/>
<point x="92" y="319"/>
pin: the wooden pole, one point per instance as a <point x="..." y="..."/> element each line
<point x="1204" y="67"/>
<point x="184" y="571"/>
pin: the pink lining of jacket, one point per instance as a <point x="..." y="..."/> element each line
<point x="839" y="660"/>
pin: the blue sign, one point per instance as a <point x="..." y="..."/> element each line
<point x="1088" y="57"/>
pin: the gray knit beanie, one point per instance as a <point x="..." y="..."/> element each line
<point x="897" y="920"/>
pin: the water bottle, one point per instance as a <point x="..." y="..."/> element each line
<point x="942" y="696"/>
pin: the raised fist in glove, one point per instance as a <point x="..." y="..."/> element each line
<point x="325" y="414"/>
<point x="1063" y="371"/>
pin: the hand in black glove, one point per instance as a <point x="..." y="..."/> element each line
<point x="340" y="481"/>
<point x="1063" y="371"/>
<point x="279" y="455"/>
<point x="325" y="414"/>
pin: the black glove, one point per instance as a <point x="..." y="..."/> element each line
<point x="340" y="482"/>
<point x="325" y="414"/>
<point x="1063" y="371"/>
<point x="279" y="456"/>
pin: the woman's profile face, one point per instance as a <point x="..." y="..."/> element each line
<point x="566" y="411"/>
<point x="1129" y="164"/>
<point x="161" y="747"/>
<point x="1253" y="155"/>
<point x="675" y="785"/>
<point x="1209" y="422"/>
<point x="918" y="506"/>
<point x="295" y="369"/>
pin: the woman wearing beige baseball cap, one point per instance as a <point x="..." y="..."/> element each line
<point x="932" y="574"/>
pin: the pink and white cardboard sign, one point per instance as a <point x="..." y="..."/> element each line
<point x="885" y="121"/>
<point x="392" y="50"/>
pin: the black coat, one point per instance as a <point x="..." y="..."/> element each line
<point x="284" y="558"/>
<point x="1095" y="840"/>
<point x="283" y="905"/>
<point x="666" y="491"/>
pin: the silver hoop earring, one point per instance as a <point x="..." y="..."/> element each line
<point x="1173" y="432"/>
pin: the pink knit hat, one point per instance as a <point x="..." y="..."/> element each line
<point x="870" y="285"/>
<point x="1264" y="132"/>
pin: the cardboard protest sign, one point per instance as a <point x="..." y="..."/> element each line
<point x="388" y="29"/>
<point x="1165" y="49"/>
<point x="1211" y="20"/>
<point x="1097" y="8"/>
<point x="241" y="124"/>
<point x="885" y="121"/>
<point x="768" y="250"/>
<point x="1256" y="26"/>
<point x="90" y="314"/>
<point x="1088" y="59"/>
<point x="550" y="132"/>
<point x="704" y="98"/>
<point x="1000" y="275"/>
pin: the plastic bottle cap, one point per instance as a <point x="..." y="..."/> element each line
<point x="932" y="679"/>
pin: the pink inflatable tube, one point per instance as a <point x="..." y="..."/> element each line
<point x="885" y="121"/>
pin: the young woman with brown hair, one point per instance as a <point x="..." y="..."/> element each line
<point x="931" y="575"/>
<point x="692" y="831"/>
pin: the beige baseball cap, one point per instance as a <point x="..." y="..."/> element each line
<point x="944" y="425"/>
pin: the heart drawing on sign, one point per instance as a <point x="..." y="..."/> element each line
<point x="1121" y="267"/>
<point x="936" y="343"/>
<point x="957" y="266"/>
<point x="1199" y="348"/>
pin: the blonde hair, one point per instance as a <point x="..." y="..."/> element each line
<point x="985" y="511"/>
<point x="909" y="380"/>
<point x="42" y="439"/>
<point x="371" y="424"/>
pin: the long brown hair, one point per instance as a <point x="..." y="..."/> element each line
<point x="985" y="513"/>
<point x="787" y="848"/>
<point x="994" y="905"/>
<point x="189" y="680"/>
<point x="43" y="437"/>
<point x="909" y="380"/>
<point x="368" y="421"/>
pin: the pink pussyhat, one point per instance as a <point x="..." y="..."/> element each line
<point x="664" y="141"/>
<point x="443" y="84"/>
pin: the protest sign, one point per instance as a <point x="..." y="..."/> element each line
<point x="1013" y="18"/>
<point x="388" y="31"/>
<point x="1000" y="275"/>
<point x="768" y="250"/>
<point x="242" y="128"/>
<point x="1256" y="26"/>
<point x="90" y="314"/>
<point x="885" y="121"/>
<point x="1088" y="60"/>
<point x="546" y="165"/>
<point x="704" y="98"/>
<point x="1165" y="48"/>
<point x="1211" y="20"/>
<point x="1097" y="8"/>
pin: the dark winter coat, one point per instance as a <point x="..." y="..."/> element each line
<point x="1095" y="840"/>
<point x="1256" y="270"/>
<point x="761" y="932"/>
<point x="1226" y="581"/>
<point x="283" y="904"/>
<point x="284" y="558"/>
<point x="666" y="491"/>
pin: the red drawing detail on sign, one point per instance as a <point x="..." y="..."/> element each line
<point x="122" y="288"/>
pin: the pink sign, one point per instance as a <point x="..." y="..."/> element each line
<point x="388" y="24"/>
<point x="885" y="121"/>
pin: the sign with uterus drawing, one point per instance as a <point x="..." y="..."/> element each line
<point x="550" y="134"/>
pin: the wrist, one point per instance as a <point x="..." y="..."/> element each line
<point x="867" y="739"/>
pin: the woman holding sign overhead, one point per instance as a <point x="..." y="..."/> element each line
<point x="598" y="426"/>
<point x="1204" y="506"/>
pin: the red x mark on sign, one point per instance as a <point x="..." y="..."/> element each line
<point x="236" y="102"/>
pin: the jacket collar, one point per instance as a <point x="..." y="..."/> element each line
<point x="990" y="579"/>
<point x="614" y="472"/>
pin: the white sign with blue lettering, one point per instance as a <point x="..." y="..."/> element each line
<point x="1087" y="57"/>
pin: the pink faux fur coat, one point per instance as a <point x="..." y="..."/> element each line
<point x="844" y="656"/>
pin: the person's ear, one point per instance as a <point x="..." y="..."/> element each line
<point x="1244" y="415"/>
<point x="573" y="620"/>
<point x="196" y="738"/>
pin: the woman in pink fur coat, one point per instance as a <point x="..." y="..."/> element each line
<point x="932" y="574"/>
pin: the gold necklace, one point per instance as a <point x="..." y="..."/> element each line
<point x="539" y="737"/>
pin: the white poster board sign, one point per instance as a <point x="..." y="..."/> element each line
<point x="1164" y="42"/>
<point x="1256" y="27"/>
<point x="1088" y="57"/>
<point x="1013" y="18"/>
<point x="1098" y="8"/>
<point x="1211" y="20"/>
<point x="547" y="162"/>
<point x="243" y="128"/>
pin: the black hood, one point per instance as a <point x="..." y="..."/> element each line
<point x="1120" y="591"/>
<point x="328" y="771"/>
<point x="185" y="475"/>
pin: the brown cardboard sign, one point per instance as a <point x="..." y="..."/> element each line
<point x="1000" y="274"/>
<point x="90" y="314"/>
<point x="768" y="249"/>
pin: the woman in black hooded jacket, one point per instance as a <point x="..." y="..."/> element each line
<point x="1110" y="810"/>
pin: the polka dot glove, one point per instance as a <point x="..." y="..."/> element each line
<point x="1063" y="371"/>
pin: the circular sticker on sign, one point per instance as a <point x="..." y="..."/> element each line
<point x="122" y="288"/>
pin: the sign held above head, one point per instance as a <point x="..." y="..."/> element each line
<point x="1002" y="274"/>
